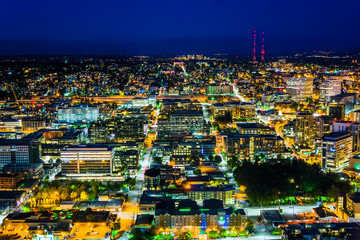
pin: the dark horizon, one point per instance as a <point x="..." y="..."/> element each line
<point x="172" y="28"/>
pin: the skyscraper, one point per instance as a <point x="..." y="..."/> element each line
<point x="305" y="130"/>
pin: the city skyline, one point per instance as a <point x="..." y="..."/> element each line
<point x="160" y="27"/>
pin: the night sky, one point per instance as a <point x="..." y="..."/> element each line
<point x="135" y="27"/>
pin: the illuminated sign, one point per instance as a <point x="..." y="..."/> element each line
<point x="44" y="237"/>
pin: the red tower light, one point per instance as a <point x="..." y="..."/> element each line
<point x="254" y="51"/>
<point x="263" y="48"/>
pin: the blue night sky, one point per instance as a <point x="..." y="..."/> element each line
<point x="134" y="27"/>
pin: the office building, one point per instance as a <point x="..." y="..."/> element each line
<point x="19" y="151"/>
<point x="129" y="127"/>
<point x="10" y="125"/>
<point x="152" y="178"/>
<point x="336" y="151"/>
<point x="355" y="116"/>
<point x="188" y="121"/>
<point x="349" y="127"/>
<point x="329" y="88"/>
<point x="10" y="181"/>
<point x="99" y="132"/>
<point x="305" y="130"/>
<point x="300" y="88"/>
<point x="349" y="100"/>
<point x="323" y="125"/>
<point x="222" y="89"/>
<point x="29" y="171"/>
<point x="336" y="111"/>
<point x="87" y="160"/>
<point x="248" y="146"/>
<point x="78" y="114"/>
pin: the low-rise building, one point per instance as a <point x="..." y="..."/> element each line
<point x="225" y="193"/>
<point x="10" y="181"/>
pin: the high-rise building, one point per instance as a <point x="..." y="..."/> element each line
<point x="300" y="88"/>
<point x="349" y="100"/>
<point x="355" y="116"/>
<point x="87" y="160"/>
<point x="329" y="88"/>
<point x="323" y="125"/>
<point x="336" y="111"/>
<point x="336" y="151"/>
<point x="78" y="114"/>
<point x="305" y="130"/>
<point x="349" y="127"/>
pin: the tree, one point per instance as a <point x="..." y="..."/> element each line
<point x="197" y="171"/>
<point x="249" y="226"/>
<point x="84" y="196"/>
<point x="185" y="236"/>
<point x="116" y="225"/>
<point x="157" y="159"/>
<point x="218" y="159"/>
<point x="233" y="162"/>
<point x="26" y="208"/>
<point x="73" y="195"/>
<point x="132" y="182"/>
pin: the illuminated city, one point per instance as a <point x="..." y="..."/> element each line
<point x="179" y="120"/>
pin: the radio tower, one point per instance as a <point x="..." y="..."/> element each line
<point x="254" y="51"/>
<point x="262" y="49"/>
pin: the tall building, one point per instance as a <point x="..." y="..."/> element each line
<point x="349" y="127"/>
<point x="300" y="88"/>
<point x="78" y="114"/>
<point x="87" y="160"/>
<point x="355" y="116"/>
<point x="305" y="130"/>
<point x="323" y="125"/>
<point x="329" y="88"/>
<point x="349" y="100"/>
<point x="336" y="151"/>
<point x="336" y="111"/>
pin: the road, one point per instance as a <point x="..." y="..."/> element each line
<point x="114" y="98"/>
<point x="131" y="210"/>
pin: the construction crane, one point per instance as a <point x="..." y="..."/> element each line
<point x="17" y="103"/>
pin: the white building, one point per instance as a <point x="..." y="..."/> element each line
<point x="87" y="160"/>
<point x="78" y="114"/>
<point x="143" y="102"/>
<point x="329" y="88"/>
<point x="336" y="151"/>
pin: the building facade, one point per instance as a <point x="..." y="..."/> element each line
<point x="87" y="160"/>
<point x="336" y="151"/>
